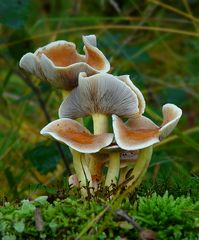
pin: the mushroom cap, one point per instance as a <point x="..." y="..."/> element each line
<point x="101" y="93"/>
<point x="137" y="136"/>
<point x="30" y="64"/>
<point x="171" y="117"/>
<point x="59" y="63"/>
<point x="111" y="148"/>
<point x="76" y="136"/>
<point x="94" y="57"/>
<point x="141" y="132"/>
<point x="141" y="102"/>
<point x="90" y="40"/>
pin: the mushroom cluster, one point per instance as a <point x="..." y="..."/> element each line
<point x="91" y="91"/>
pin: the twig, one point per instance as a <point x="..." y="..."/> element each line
<point x="42" y="104"/>
<point x="144" y="234"/>
<point x="122" y="214"/>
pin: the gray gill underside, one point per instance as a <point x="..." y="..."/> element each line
<point x="100" y="93"/>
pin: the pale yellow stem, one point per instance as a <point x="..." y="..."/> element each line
<point x="82" y="171"/>
<point x="140" y="168"/>
<point x="113" y="169"/>
<point x="137" y="174"/>
<point x="100" y="123"/>
<point x="79" y="161"/>
<point x="123" y="173"/>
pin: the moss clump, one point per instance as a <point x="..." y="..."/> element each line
<point x="72" y="217"/>
<point x="171" y="218"/>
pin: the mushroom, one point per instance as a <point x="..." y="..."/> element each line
<point x="92" y="91"/>
<point x="117" y="173"/>
<point x="140" y="134"/>
<point x="81" y="141"/>
<point x="100" y="95"/>
<point x="59" y="63"/>
<point x="134" y="143"/>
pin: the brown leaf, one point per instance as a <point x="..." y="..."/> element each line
<point x="147" y="234"/>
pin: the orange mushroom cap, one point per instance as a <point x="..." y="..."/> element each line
<point x="141" y="132"/>
<point x="59" y="63"/>
<point x="76" y="136"/>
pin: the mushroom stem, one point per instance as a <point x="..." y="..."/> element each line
<point x="123" y="173"/>
<point x="113" y="169"/>
<point x="79" y="162"/>
<point x="82" y="171"/>
<point x="95" y="164"/>
<point x="140" y="168"/>
<point x="100" y="123"/>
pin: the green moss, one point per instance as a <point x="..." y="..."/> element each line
<point x="72" y="217"/>
<point x="170" y="218"/>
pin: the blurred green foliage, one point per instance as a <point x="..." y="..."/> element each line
<point x="13" y="13"/>
<point x="156" y="42"/>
